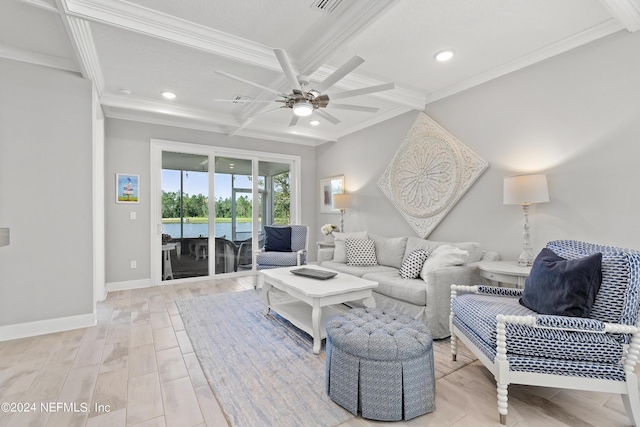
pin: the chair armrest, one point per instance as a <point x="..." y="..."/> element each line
<point x="299" y="255"/>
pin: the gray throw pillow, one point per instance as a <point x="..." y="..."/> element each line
<point x="361" y="252"/>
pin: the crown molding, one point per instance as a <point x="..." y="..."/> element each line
<point x="156" y="24"/>
<point x="378" y="118"/>
<point x="36" y="58"/>
<point x="159" y="112"/>
<point x="194" y="124"/>
<point x="42" y="4"/>
<point x="627" y="12"/>
<point x="594" y="33"/>
<point x="85" y="50"/>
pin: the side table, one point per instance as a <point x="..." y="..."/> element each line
<point x="326" y="244"/>
<point x="505" y="272"/>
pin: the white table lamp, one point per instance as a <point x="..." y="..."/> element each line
<point x="525" y="190"/>
<point x="342" y="202"/>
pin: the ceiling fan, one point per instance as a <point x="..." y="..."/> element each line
<point x="305" y="102"/>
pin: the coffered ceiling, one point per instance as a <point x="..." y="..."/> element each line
<point x="134" y="50"/>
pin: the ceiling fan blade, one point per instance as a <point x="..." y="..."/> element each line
<point x="242" y="101"/>
<point x="294" y="120"/>
<point x="327" y="116"/>
<point x="339" y="73"/>
<point x="362" y="91"/>
<point x="259" y="86"/>
<point x="285" y="63"/>
<point x="353" y="108"/>
<point x="250" y="119"/>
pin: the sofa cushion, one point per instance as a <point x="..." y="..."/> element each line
<point x="392" y="285"/>
<point x="563" y="287"/>
<point x="412" y="265"/>
<point x="340" y="252"/>
<point x="389" y="250"/>
<point x="358" y="271"/>
<point x="444" y="256"/>
<point x="361" y="252"/>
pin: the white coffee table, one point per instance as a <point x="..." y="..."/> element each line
<point x="310" y="310"/>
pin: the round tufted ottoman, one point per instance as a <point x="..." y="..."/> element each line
<point x="380" y="364"/>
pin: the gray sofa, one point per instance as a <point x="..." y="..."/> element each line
<point x="425" y="299"/>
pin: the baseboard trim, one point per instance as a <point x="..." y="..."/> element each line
<point x="128" y="285"/>
<point x="49" y="326"/>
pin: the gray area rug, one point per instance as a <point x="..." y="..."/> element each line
<point x="262" y="369"/>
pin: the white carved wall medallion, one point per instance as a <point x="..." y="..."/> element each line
<point x="429" y="173"/>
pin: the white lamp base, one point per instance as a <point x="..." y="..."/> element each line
<point x="526" y="257"/>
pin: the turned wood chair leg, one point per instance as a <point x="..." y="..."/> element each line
<point x="502" y="403"/>
<point x="454" y="347"/>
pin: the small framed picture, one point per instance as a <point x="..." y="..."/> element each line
<point x="127" y="188"/>
<point x="329" y="187"/>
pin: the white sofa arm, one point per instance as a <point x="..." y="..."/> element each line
<point x="466" y="274"/>
<point x="325" y="254"/>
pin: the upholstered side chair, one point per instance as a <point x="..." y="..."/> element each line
<point x="284" y="246"/>
<point x="520" y="346"/>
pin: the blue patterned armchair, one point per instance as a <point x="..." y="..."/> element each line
<point x="521" y="346"/>
<point x="293" y="252"/>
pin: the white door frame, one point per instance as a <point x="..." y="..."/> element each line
<point x="159" y="145"/>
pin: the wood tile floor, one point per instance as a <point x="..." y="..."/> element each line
<point x="139" y="363"/>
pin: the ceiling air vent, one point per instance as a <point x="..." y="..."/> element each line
<point x="328" y="6"/>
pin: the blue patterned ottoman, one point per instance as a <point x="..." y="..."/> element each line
<point x="380" y="364"/>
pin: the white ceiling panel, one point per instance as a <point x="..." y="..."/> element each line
<point x="148" y="46"/>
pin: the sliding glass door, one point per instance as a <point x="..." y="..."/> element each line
<point x="185" y="215"/>
<point x="213" y="205"/>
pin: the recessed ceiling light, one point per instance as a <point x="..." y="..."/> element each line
<point x="314" y="123"/>
<point x="168" y="95"/>
<point x="444" y="55"/>
<point x="125" y="91"/>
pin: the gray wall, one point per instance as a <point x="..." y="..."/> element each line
<point x="45" y="194"/>
<point x="574" y="117"/>
<point x="127" y="149"/>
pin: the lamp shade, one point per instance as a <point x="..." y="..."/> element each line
<point x="525" y="189"/>
<point x="341" y="201"/>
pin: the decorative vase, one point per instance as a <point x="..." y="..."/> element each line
<point x="328" y="237"/>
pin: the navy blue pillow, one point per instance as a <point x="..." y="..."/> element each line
<point x="563" y="287"/>
<point x="277" y="239"/>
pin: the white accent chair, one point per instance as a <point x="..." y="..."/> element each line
<point x="520" y="346"/>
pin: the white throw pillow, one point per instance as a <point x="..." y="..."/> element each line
<point x="444" y="256"/>
<point x="361" y="252"/>
<point x="340" y="252"/>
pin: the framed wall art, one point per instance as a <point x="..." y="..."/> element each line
<point x="329" y="187"/>
<point x="127" y="188"/>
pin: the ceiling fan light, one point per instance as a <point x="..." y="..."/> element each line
<point x="444" y="55"/>
<point x="302" y="109"/>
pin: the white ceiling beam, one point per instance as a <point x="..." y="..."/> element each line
<point x="37" y="58"/>
<point x="625" y="11"/>
<point x="42" y="4"/>
<point x="85" y="50"/>
<point x="582" y="38"/>
<point x="346" y="26"/>
<point x="156" y="24"/>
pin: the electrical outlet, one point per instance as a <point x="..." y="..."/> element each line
<point x="132" y="215"/>
<point x="133" y="264"/>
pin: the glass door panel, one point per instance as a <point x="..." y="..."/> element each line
<point x="185" y="215"/>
